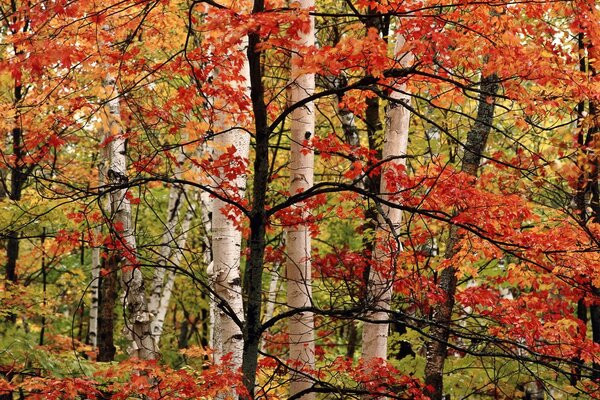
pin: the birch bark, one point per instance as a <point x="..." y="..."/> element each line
<point x="227" y="237"/>
<point x="159" y="288"/>
<point x="96" y="249"/>
<point x="95" y="289"/>
<point x="96" y="265"/>
<point x="137" y="317"/>
<point x="298" y="240"/>
<point x="387" y="246"/>
<point x="174" y="259"/>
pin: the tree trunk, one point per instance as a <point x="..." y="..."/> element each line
<point x="175" y="261"/>
<point x="17" y="181"/>
<point x="352" y="339"/>
<point x="595" y="318"/>
<point x="227" y="237"/>
<point x="106" y="306"/>
<point x="593" y="58"/>
<point x="387" y="246"/>
<point x="95" y="289"/>
<point x="182" y="340"/>
<point x="96" y="254"/>
<point x="205" y="201"/>
<point x="258" y="214"/>
<point x="298" y="239"/>
<point x="137" y="317"/>
<point x="274" y="284"/>
<point x="442" y="313"/>
<point x="159" y="289"/>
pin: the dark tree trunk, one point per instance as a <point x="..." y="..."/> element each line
<point x="372" y="181"/>
<point x="3" y="183"/>
<point x="182" y="340"/>
<point x="595" y="206"/>
<point x="352" y="340"/>
<point x="405" y="347"/>
<point x="440" y="330"/>
<point x="44" y="290"/>
<point x="478" y="135"/>
<point x="258" y="216"/>
<point x="442" y="313"/>
<point x="579" y="203"/>
<point x="595" y="318"/>
<point x="12" y="254"/>
<point x="204" y="333"/>
<point x="17" y="181"/>
<point x="106" y="310"/>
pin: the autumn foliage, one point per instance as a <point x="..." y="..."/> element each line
<point x="517" y="233"/>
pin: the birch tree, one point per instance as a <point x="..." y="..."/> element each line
<point x="175" y="257"/>
<point x="298" y="241"/>
<point x="95" y="296"/>
<point x="387" y="245"/>
<point x="137" y="317"/>
<point x="159" y="288"/>
<point x="226" y="235"/>
<point x="96" y="259"/>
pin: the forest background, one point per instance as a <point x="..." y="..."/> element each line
<point x="299" y="200"/>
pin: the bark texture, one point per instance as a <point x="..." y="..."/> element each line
<point x="442" y="313"/>
<point x="579" y="202"/>
<point x="594" y="65"/>
<point x="95" y="294"/>
<point x="298" y="239"/>
<point x="258" y="215"/>
<point x="161" y="290"/>
<point x="137" y="317"/>
<point x="18" y="177"/>
<point x="387" y="246"/>
<point x="175" y="258"/>
<point x="226" y="235"/>
<point x="96" y="254"/>
<point x="106" y="305"/>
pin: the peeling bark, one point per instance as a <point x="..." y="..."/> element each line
<point x="161" y="291"/>
<point x="175" y="261"/>
<point x="96" y="257"/>
<point x="298" y="239"/>
<point x="95" y="296"/>
<point x="387" y="246"/>
<point x="137" y="317"/>
<point x="227" y="237"/>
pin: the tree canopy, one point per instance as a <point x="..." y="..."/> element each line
<point x="299" y="199"/>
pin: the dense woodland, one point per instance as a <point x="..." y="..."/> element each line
<point x="358" y="199"/>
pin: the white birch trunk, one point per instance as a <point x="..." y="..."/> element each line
<point x="206" y="203"/>
<point x="387" y="245"/>
<point x="137" y="317"/>
<point x="96" y="250"/>
<point x="298" y="240"/>
<point x="227" y="238"/>
<point x="273" y="289"/>
<point x="175" y="260"/>
<point x="271" y="297"/>
<point x="95" y="289"/>
<point x="159" y="290"/>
